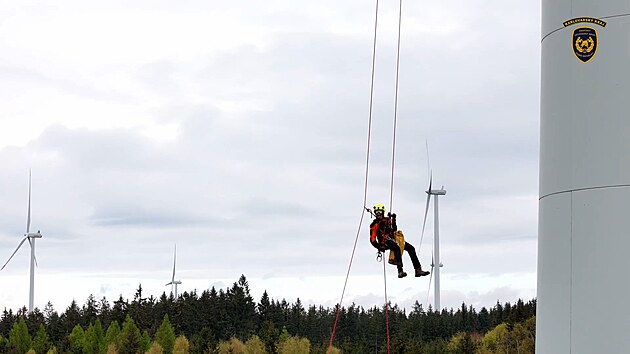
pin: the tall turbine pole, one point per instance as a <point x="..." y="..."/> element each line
<point x="31" y="294"/>
<point x="584" y="182"/>
<point x="436" y="247"/>
<point x="31" y="240"/>
<point x="436" y="251"/>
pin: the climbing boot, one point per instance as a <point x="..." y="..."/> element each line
<point x="401" y="273"/>
<point x="420" y="272"/>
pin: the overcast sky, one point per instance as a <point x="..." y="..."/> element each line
<point x="238" y="129"/>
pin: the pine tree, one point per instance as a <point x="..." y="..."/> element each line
<point x="19" y="338"/>
<point x="165" y="336"/>
<point x="155" y="349"/>
<point x="4" y="344"/>
<point x="130" y="337"/>
<point x="145" y="341"/>
<point x="77" y="339"/>
<point x="41" y="342"/>
<point x="112" y="337"/>
<point x="94" y="339"/>
<point x="89" y="311"/>
<point x="181" y="345"/>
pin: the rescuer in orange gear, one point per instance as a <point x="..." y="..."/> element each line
<point x="382" y="238"/>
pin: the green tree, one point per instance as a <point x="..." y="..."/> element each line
<point x="463" y="343"/>
<point x="19" y="339"/>
<point x="294" y="345"/>
<point x="181" y="345"/>
<point x="130" y="337"/>
<point x="77" y="339"/>
<point x="4" y="344"/>
<point x="112" y="337"/>
<point x="496" y="339"/>
<point x="99" y="337"/>
<point x="284" y="335"/>
<point x="41" y="342"/>
<point x="94" y="339"/>
<point x="255" y="345"/>
<point x="165" y="335"/>
<point x="145" y="341"/>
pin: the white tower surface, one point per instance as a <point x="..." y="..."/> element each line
<point x="584" y="207"/>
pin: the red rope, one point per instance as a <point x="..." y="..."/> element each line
<point x="367" y="164"/>
<point x="386" y="305"/>
<point x="365" y="189"/>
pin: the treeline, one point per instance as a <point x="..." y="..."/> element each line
<point x="215" y="320"/>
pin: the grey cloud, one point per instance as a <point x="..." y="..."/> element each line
<point x="139" y="216"/>
<point x="75" y="87"/>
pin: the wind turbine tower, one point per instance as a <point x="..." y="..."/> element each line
<point x="173" y="282"/>
<point x="584" y="183"/>
<point x="436" y="265"/>
<point x="436" y="242"/>
<point x="30" y="236"/>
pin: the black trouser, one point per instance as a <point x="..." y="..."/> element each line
<point x="394" y="247"/>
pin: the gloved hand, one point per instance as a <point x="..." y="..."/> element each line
<point x="392" y="215"/>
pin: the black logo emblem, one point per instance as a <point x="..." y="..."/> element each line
<point x="584" y="43"/>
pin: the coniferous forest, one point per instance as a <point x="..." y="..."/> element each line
<point x="230" y="321"/>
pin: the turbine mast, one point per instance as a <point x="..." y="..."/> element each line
<point x="436" y="247"/>
<point x="31" y="295"/>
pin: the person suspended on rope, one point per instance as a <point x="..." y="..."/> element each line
<point x="382" y="237"/>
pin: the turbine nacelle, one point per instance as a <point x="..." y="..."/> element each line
<point x="34" y="234"/>
<point x="437" y="191"/>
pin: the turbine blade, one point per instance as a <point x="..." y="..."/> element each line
<point x="426" y="142"/>
<point x="14" y="252"/>
<point x="28" y="217"/>
<point x="167" y="284"/>
<point x="426" y="210"/>
<point x="31" y="244"/>
<point x="174" y="259"/>
<point x="429" y="288"/>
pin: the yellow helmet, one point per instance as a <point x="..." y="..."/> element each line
<point x="379" y="209"/>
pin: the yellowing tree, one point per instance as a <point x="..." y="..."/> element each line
<point x="156" y="348"/>
<point x="494" y="340"/>
<point x="181" y="345"/>
<point x="111" y="349"/>
<point x="233" y="346"/>
<point x="254" y="345"/>
<point x="334" y="350"/>
<point x="294" y="345"/>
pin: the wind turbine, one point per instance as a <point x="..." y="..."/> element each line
<point x="174" y="282"/>
<point x="435" y="264"/>
<point x="30" y="236"/>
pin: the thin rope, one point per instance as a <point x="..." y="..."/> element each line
<point x="365" y="189"/>
<point x="386" y="305"/>
<point x="391" y="188"/>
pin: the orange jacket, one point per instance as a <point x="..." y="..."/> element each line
<point x="382" y="229"/>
